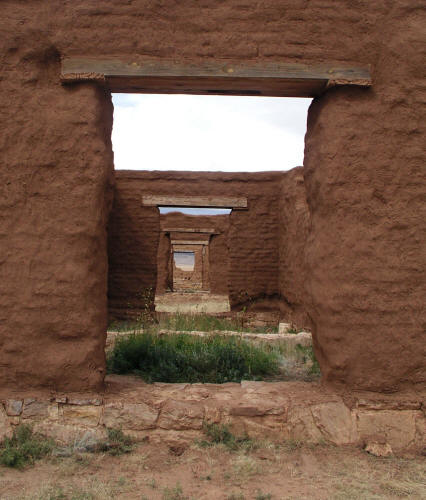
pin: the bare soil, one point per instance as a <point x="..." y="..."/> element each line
<point x="154" y="471"/>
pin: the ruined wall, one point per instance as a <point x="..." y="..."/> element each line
<point x="243" y="257"/>
<point x="294" y="228"/>
<point x="218" y="252"/>
<point x="364" y="175"/>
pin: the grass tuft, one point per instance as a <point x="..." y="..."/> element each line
<point x="24" y="448"/>
<point x="220" y="434"/>
<point x="117" y="443"/>
<point x="186" y="358"/>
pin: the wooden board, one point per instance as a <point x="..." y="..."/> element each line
<point x="189" y="230"/>
<point x="189" y="242"/>
<point x="271" y="79"/>
<point x="151" y="200"/>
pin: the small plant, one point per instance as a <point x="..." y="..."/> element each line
<point x="220" y="434"/>
<point x="308" y="354"/>
<point x="117" y="443"/>
<point x="235" y="496"/>
<point x="291" y="445"/>
<point x="175" y="493"/>
<point x="24" y="448"/>
<point x="262" y="496"/>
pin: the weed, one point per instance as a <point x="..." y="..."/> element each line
<point x="291" y="445"/>
<point x="117" y="443"/>
<point x="185" y="358"/>
<point x="24" y="447"/>
<point x="152" y="483"/>
<point x="307" y="353"/>
<point x="175" y="493"/>
<point x="220" y="434"/>
<point x="236" y="496"/>
<point x="245" y="466"/>
<point x="262" y="496"/>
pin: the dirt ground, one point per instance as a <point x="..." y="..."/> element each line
<point x="153" y="471"/>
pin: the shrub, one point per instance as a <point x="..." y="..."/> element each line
<point x="307" y="353"/>
<point x="24" y="447"/>
<point x="186" y="358"/>
<point x="117" y="443"/>
<point x="220" y="434"/>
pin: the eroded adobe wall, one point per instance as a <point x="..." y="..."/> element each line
<point x="218" y="251"/>
<point x="294" y="228"/>
<point x="56" y="176"/>
<point x="364" y="175"/>
<point x="243" y="257"/>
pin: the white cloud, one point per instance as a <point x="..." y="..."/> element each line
<point x="189" y="132"/>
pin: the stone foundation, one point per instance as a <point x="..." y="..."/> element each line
<point x="176" y="413"/>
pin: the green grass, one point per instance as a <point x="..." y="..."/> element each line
<point x="24" y="448"/>
<point x="221" y="434"/>
<point x="186" y="358"/>
<point x="191" y="322"/>
<point x="117" y="443"/>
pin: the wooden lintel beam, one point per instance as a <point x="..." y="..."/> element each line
<point x="274" y="79"/>
<point x="189" y="230"/>
<point x="189" y="242"/>
<point x="152" y="200"/>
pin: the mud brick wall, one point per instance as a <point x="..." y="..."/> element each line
<point x="294" y="229"/>
<point x="218" y="255"/>
<point x="364" y="176"/>
<point x="243" y="257"/>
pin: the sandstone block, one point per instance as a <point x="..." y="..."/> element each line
<point x="130" y="416"/>
<point x="396" y="427"/>
<point x="81" y="415"/>
<point x="301" y="425"/>
<point x="84" y="401"/>
<point x="336" y="422"/>
<point x="35" y="409"/>
<point x="14" y="407"/>
<point x="68" y="434"/>
<point x="5" y="427"/>
<point x="284" y="327"/>
<point x="181" y="415"/>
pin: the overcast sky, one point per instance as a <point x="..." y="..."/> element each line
<point x="190" y="132"/>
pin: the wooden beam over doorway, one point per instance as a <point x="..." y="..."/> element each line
<point x="153" y="200"/>
<point x="217" y="77"/>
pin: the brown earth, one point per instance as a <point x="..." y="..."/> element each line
<point x="286" y="471"/>
<point x="364" y="176"/>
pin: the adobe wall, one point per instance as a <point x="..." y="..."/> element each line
<point x="364" y="175"/>
<point x="243" y="257"/>
<point x="294" y="224"/>
<point x="218" y="251"/>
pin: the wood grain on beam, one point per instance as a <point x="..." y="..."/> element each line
<point x="193" y="201"/>
<point x="189" y="242"/>
<point x="274" y="79"/>
<point x="189" y="230"/>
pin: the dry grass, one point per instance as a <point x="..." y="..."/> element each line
<point x="290" y="470"/>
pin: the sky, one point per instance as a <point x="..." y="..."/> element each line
<point x="208" y="133"/>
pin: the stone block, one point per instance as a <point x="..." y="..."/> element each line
<point x="35" y="409"/>
<point x="283" y="327"/>
<point x="396" y="427"/>
<point x="301" y="425"/>
<point x="14" y="407"/>
<point x="130" y="416"/>
<point x="181" y="415"/>
<point x="336" y="422"/>
<point x="5" y="427"/>
<point x="81" y="415"/>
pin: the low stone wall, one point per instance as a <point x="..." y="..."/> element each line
<point x="175" y="413"/>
